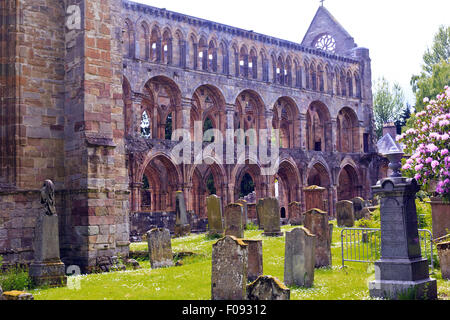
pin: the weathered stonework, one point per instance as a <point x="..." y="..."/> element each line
<point x="316" y="221"/>
<point x="160" y="248"/>
<point x="267" y="288"/>
<point x="255" y="259"/>
<point x="77" y="75"/>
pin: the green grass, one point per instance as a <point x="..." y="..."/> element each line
<point x="192" y="280"/>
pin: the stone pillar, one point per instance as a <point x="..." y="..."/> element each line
<point x="401" y="271"/>
<point x="136" y="196"/>
<point x="303" y="142"/>
<point x="135" y="121"/>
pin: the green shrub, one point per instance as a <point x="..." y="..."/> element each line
<point x="251" y="226"/>
<point x="15" y="278"/>
<point x="424" y="213"/>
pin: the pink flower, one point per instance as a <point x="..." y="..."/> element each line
<point x="418" y="176"/>
<point x="418" y="167"/>
<point x="429" y="160"/>
<point x="406" y="167"/>
<point x="432" y="148"/>
<point x="434" y="164"/>
<point x="444" y="152"/>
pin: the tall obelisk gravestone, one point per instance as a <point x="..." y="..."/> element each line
<point x="401" y="272"/>
<point x="47" y="268"/>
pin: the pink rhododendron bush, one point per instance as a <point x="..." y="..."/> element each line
<point x="428" y="143"/>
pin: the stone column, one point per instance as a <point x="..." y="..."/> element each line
<point x="303" y="142"/>
<point x="136" y="196"/>
<point x="334" y="135"/>
<point x="401" y="271"/>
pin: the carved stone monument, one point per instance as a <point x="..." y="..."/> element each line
<point x="296" y="217"/>
<point x="214" y="209"/>
<point x="271" y="217"/>
<point x="182" y="226"/>
<point x="233" y="220"/>
<point x="315" y="198"/>
<point x="47" y="267"/>
<point x="401" y="271"/>
<point x="345" y="214"/>
<point x="255" y="259"/>
<point x="299" y="258"/>
<point x="229" y="269"/>
<point x="160" y="248"/>
<point x="316" y="221"/>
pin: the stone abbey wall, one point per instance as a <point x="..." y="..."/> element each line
<point x="74" y="88"/>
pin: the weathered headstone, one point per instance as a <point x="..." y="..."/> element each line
<point x="229" y="269"/>
<point x="47" y="267"/>
<point x="299" y="258"/>
<point x="259" y="213"/>
<point x="443" y="249"/>
<point x="295" y="214"/>
<point x="233" y="220"/>
<point x="182" y="226"/>
<point x="316" y="221"/>
<point x="401" y="271"/>
<point x="160" y="248"/>
<point x="315" y="198"/>
<point x="358" y="205"/>
<point x="16" y="295"/>
<point x="245" y="211"/>
<point x="345" y="214"/>
<point x="255" y="259"/>
<point x="267" y="288"/>
<point x="271" y="217"/>
<point x="214" y="209"/>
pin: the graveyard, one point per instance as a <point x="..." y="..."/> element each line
<point x="192" y="280"/>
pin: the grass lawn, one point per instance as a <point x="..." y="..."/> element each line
<point x="192" y="280"/>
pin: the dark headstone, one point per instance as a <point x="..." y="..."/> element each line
<point x="160" y="248"/>
<point x="182" y="226"/>
<point x="271" y="217"/>
<point x="345" y="214"/>
<point x="401" y="271"/>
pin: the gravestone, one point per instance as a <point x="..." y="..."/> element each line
<point x="255" y="259"/>
<point x="47" y="269"/>
<point x="214" y="209"/>
<point x="358" y="205"/>
<point x="160" y="248"/>
<point x="316" y="221"/>
<point x="233" y="220"/>
<point x="345" y="214"/>
<point x="267" y="288"/>
<point x="315" y="198"/>
<point x="229" y="269"/>
<point x="401" y="271"/>
<point x="299" y="258"/>
<point x="182" y="226"/>
<point x="259" y="213"/>
<point x="295" y="214"/>
<point x="245" y="211"/>
<point x="271" y="217"/>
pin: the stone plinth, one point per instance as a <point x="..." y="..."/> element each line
<point x="315" y="198"/>
<point x="214" y="210"/>
<point x="401" y="271"/>
<point x="316" y="221"/>
<point x="47" y="269"/>
<point x="160" y="248"/>
<point x="233" y="220"/>
<point x="345" y="214"/>
<point x="255" y="259"/>
<point x="182" y="226"/>
<point x="229" y="269"/>
<point x="271" y="217"/>
<point x="296" y="217"/>
<point x="299" y="258"/>
<point x="267" y="288"/>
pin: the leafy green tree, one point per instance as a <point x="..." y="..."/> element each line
<point x="435" y="73"/>
<point x="388" y="104"/>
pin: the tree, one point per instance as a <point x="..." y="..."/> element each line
<point x="435" y="70"/>
<point x="388" y="104"/>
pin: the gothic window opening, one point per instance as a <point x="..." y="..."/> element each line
<point x="326" y="43"/>
<point x="145" y="126"/>
<point x="247" y="185"/>
<point x="168" y="127"/>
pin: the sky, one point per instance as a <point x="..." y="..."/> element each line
<point x="397" y="32"/>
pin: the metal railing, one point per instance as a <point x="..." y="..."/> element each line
<point x="364" y="245"/>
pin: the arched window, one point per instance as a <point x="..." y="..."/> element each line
<point x="321" y="78"/>
<point x="144" y="48"/>
<point x="128" y="40"/>
<point x="168" y="127"/>
<point x="145" y="126"/>
<point x="313" y="77"/>
<point x="208" y="125"/>
<point x="167" y="48"/>
<point x="212" y="57"/>
<point x="247" y="185"/>
<point x="193" y="54"/>
<point x="288" y="72"/>
<point x="225" y="58"/>
<point x="253" y="64"/>
<point x="350" y="84"/>
<point x="243" y="62"/>
<point x="155" y="45"/>
<point x="203" y="54"/>
<point x="298" y="74"/>
<point x="343" y="84"/>
<point x="281" y="71"/>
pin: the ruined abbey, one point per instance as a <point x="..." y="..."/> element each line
<point x="93" y="92"/>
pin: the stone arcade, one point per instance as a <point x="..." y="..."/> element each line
<point x="92" y="99"/>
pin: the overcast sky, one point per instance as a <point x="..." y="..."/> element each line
<point x="397" y="32"/>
